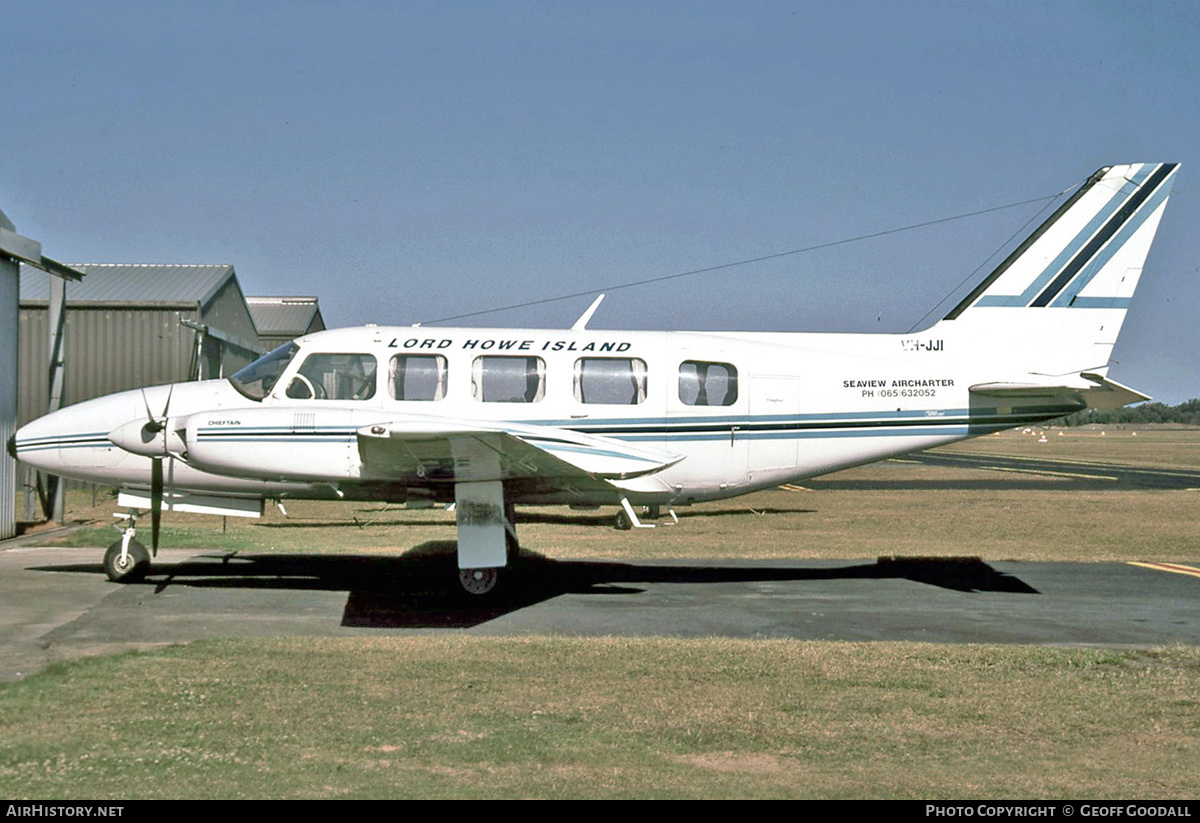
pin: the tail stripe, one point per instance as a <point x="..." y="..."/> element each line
<point x="1016" y="254"/>
<point x="1069" y="296"/>
<point x="1089" y="255"/>
<point x="1110" y="228"/>
<point x="1071" y="249"/>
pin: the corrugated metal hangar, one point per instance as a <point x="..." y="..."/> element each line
<point x="280" y="319"/>
<point x="116" y="327"/>
<point x="134" y="325"/>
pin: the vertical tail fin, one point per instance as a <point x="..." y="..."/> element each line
<point x="1065" y="290"/>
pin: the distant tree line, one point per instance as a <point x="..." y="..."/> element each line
<point x="1187" y="412"/>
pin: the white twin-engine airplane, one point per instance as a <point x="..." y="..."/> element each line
<point x="489" y="418"/>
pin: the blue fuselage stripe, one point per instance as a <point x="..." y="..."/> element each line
<point x="773" y="427"/>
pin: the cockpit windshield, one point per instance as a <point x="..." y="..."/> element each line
<point x="256" y="380"/>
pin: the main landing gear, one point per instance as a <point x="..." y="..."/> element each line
<point x="478" y="581"/>
<point x="487" y="535"/>
<point x="483" y="581"/>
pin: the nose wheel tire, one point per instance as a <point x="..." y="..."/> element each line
<point x="478" y="581"/>
<point x="130" y="569"/>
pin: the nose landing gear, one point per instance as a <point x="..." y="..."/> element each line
<point x="127" y="560"/>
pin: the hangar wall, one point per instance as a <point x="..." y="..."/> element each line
<point x="9" y="278"/>
<point x="107" y="350"/>
<point x="128" y="328"/>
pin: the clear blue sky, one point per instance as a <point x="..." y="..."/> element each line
<point x="405" y="161"/>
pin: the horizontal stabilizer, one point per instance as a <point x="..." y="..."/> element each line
<point x="1098" y="392"/>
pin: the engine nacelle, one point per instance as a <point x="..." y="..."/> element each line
<point x="308" y="445"/>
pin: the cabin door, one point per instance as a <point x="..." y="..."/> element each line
<point x="774" y="404"/>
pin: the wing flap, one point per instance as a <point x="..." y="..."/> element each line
<point x="471" y="451"/>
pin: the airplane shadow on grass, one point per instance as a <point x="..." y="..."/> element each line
<point x="419" y="588"/>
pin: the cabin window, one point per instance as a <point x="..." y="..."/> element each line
<point x="707" y="384"/>
<point x="334" y="377"/>
<point x="417" y="377"/>
<point x="610" y="380"/>
<point x="508" y="379"/>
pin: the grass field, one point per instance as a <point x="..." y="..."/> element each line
<point x="1158" y="446"/>
<point x="446" y="715"/>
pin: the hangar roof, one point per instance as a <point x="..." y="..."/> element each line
<point x="292" y="316"/>
<point x="122" y="283"/>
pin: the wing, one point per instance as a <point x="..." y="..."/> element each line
<point x="423" y="451"/>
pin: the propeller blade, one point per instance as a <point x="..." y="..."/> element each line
<point x="146" y="403"/>
<point x="156" y="498"/>
<point x="156" y="424"/>
<point x="167" y="405"/>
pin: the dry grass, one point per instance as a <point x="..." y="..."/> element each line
<point x="1152" y="446"/>
<point x="452" y="716"/>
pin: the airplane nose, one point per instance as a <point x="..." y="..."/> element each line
<point x="36" y="444"/>
<point x="11" y="445"/>
<point x="73" y="441"/>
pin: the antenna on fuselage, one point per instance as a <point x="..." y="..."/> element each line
<point x="581" y="323"/>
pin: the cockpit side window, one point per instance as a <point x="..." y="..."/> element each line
<point x="334" y="377"/>
<point x="257" y="379"/>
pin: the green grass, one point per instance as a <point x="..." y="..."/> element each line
<point x="452" y="716"/>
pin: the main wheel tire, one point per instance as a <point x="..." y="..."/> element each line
<point x="132" y="569"/>
<point x="478" y="581"/>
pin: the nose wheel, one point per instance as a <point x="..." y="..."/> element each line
<point x="126" y="561"/>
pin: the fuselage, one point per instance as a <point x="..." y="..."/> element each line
<point x="594" y="417"/>
<point x="729" y="412"/>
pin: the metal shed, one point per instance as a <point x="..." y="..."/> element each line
<point x="281" y="319"/>
<point x="134" y="325"/>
